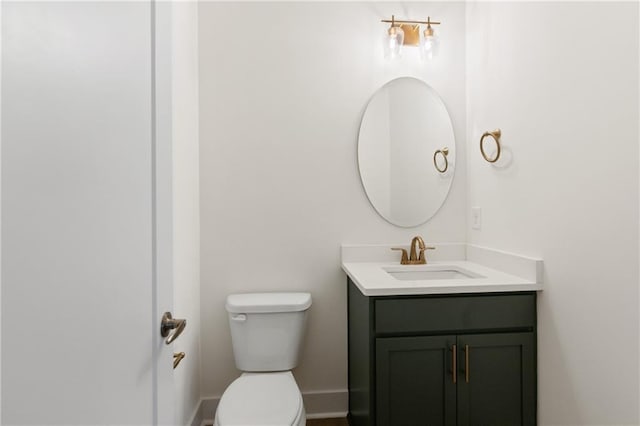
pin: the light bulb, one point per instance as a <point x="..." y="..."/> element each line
<point x="393" y="42"/>
<point x="429" y="43"/>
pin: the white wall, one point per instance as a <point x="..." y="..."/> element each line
<point x="561" y="81"/>
<point x="186" y="205"/>
<point x="282" y="90"/>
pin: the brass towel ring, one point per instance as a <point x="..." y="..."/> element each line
<point x="444" y="152"/>
<point x="496" y="137"/>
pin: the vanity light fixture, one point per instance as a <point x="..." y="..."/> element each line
<point x="407" y="33"/>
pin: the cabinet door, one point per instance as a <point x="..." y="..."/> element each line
<point x="414" y="381"/>
<point x="497" y="379"/>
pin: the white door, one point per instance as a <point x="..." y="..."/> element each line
<point x="86" y="250"/>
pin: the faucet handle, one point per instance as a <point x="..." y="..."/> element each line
<point x="405" y="256"/>
<point x="422" y="258"/>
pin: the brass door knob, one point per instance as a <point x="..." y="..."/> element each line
<point x="169" y="323"/>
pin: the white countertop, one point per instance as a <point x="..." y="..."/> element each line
<point x="373" y="280"/>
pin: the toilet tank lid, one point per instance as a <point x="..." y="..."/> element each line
<point x="268" y="302"/>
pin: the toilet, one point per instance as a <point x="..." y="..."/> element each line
<point x="267" y="330"/>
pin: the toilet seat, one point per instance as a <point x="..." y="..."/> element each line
<point x="261" y="399"/>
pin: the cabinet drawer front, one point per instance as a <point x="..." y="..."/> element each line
<point x="455" y="313"/>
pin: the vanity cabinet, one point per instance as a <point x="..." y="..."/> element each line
<point x="463" y="359"/>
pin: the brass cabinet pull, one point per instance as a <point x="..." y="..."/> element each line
<point x="177" y="357"/>
<point x="454" y="363"/>
<point x="466" y="363"/>
<point x="169" y="323"/>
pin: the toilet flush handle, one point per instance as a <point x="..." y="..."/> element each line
<point x="239" y="317"/>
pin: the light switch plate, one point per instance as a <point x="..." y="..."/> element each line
<point x="476" y="217"/>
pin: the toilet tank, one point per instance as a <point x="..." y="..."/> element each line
<point x="267" y="329"/>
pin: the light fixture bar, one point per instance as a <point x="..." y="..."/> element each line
<point x="398" y="21"/>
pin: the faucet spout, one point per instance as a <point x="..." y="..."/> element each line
<point x="414" y="258"/>
<point x="417" y="259"/>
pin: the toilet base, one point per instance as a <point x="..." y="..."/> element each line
<point x="301" y="421"/>
<point x="261" y="399"/>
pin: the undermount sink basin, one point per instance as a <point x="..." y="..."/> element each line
<point x="430" y="272"/>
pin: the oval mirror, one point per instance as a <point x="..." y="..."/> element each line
<point x="406" y="152"/>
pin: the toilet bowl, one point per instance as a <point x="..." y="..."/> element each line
<point x="266" y="332"/>
<point x="261" y="399"/>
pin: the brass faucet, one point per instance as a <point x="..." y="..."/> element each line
<point x="414" y="259"/>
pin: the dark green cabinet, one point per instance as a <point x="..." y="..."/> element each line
<point x="413" y="381"/>
<point x="497" y="384"/>
<point x="465" y="360"/>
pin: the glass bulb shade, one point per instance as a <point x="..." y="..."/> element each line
<point x="393" y="42"/>
<point x="429" y="45"/>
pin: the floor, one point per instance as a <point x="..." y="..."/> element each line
<point x="324" y="422"/>
<point x="328" y="422"/>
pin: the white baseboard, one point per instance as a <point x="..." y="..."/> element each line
<point x="196" y="417"/>
<point x="326" y="404"/>
<point x="337" y="415"/>
<point x="318" y="405"/>
<point x="208" y="408"/>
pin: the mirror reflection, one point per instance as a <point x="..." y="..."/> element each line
<point x="406" y="152"/>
